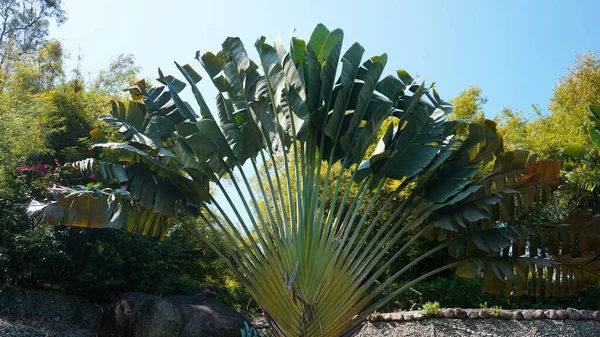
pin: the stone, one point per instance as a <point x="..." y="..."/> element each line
<point x="505" y="315"/>
<point x="527" y="315"/>
<point x="448" y="313"/>
<point x="551" y="314"/>
<point x="408" y="316"/>
<point x="396" y="316"/>
<point x="460" y="313"/>
<point x="473" y="315"/>
<point x="596" y="315"/>
<point x="538" y="314"/>
<point x="517" y="314"/>
<point x="18" y="300"/>
<point x="373" y="317"/>
<point x="484" y="314"/>
<point x="587" y="314"/>
<point x="573" y="313"/>
<point x="419" y="316"/>
<point x="562" y="314"/>
<point x="138" y="314"/>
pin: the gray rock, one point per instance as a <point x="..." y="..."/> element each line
<point x="527" y="315"/>
<point x="484" y="314"/>
<point x="517" y="314"/>
<point x="551" y="314"/>
<point x="448" y="313"/>
<point x="505" y="315"/>
<point x="573" y="313"/>
<point x="137" y="314"/>
<point x="419" y="316"/>
<point x="460" y="313"/>
<point x="538" y="314"/>
<point x="18" y="300"/>
<point x="473" y="315"/>
<point x="587" y="314"/>
<point x="596" y="315"/>
<point x="562" y="314"/>
<point x="408" y="316"/>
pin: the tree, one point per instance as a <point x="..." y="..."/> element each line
<point x="25" y="28"/>
<point x="468" y="105"/>
<point x="566" y="125"/>
<point x="308" y="259"/>
<point x="121" y="73"/>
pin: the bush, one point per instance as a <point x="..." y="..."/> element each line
<point x="458" y="292"/>
<point x="431" y="308"/>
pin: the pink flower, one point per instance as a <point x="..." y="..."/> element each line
<point x="92" y="176"/>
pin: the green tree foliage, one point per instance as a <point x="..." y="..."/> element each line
<point x="468" y="105"/>
<point x="24" y="29"/>
<point x="566" y="124"/>
<point x="46" y="113"/>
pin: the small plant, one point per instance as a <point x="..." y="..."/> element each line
<point x="431" y="308"/>
<point x="248" y="331"/>
<point x="493" y="311"/>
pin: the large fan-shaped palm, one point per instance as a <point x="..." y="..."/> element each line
<point x="299" y="123"/>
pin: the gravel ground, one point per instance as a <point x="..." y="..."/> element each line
<point x="487" y="328"/>
<point x="45" y="313"/>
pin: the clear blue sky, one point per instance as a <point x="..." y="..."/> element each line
<point x="515" y="50"/>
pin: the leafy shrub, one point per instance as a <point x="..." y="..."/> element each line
<point x="458" y="292"/>
<point x="492" y="311"/>
<point x="431" y="308"/>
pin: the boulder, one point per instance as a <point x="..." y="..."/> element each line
<point x="419" y="316"/>
<point x="538" y="314"/>
<point x="484" y="314"/>
<point x="562" y="314"/>
<point x="460" y="313"/>
<point x="138" y="314"/>
<point x="527" y="315"/>
<point x="473" y="315"/>
<point x="573" y="313"/>
<point x="596" y="315"/>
